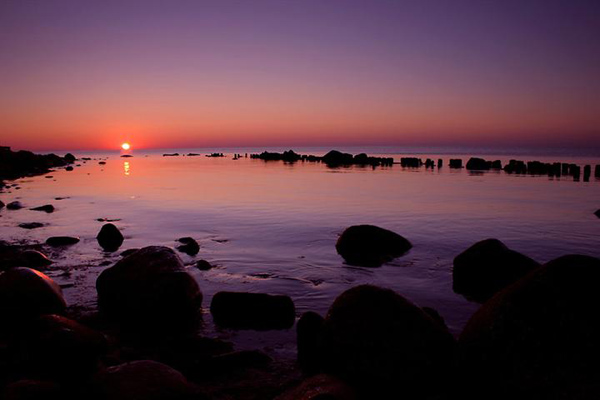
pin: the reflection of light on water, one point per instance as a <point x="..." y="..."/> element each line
<point x="126" y="167"/>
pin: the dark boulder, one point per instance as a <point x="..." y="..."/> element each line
<point x="150" y="287"/>
<point x="475" y="163"/>
<point x="383" y="343"/>
<point x="597" y="213"/>
<point x="34" y="259"/>
<point x="14" y="205"/>
<point x="58" y="241"/>
<point x="336" y="158"/>
<point x="70" y="158"/>
<point x="48" y="208"/>
<point x="31" y="225"/>
<point x="203" y="265"/>
<point x="28" y="389"/>
<point x="320" y="387"/>
<point x="51" y="346"/>
<point x="25" y="292"/>
<point x="537" y="338"/>
<point x="455" y="163"/>
<point x="110" y="237"/>
<point x="259" y="311"/>
<point x="370" y="246"/>
<point x="69" y="168"/>
<point x="142" y="380"/>
<point x="308" y="334"/>
<point x="487" y="267"/>
<point x="189" y="246"/>
<point x="127" y="252"/>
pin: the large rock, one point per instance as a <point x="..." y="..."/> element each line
<point x="260" y="311"/>
<point x="370" y="246"/>
<point x="320" y="387"/>
<point x="488" y="266"/>
<point x="14" y="205"/>
<point x="110" y="237"/>
<point x="25" y="292"/>
<point x="189" y="246"/>
<point x="142" y="380"/>
<point x="538" y="338"/>
<point x="382" y="343"/>
<point x="308" y="339"/>
<point x="149" y="287"/>
<point x="56" y="347"/>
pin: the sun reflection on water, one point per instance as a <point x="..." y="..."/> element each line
<point x="126" y="168"/>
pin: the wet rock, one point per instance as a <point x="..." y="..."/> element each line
<point x="189" y="246"/>
<point x="69" y="158"/>
<point x="142" y="380"/>
<point x="48" y="208"/>
<point x="370" y="246"/>
<point x="102" y="162"/>
<point x="150" y="287"/>
<point x="34" y="259"/>
<point x="320" y="387"/>
<point x="475" y="163"/>
<point x="109" y="237"/>
<point x="17" y="164"/>
<point x="14" y="205"/>
<point x="25" y="292"/>
<point x="336" y="158"/>
<point x="28" y="389"/>
<point x="31" y="225"/>
<point x="537" y="338"/>
<point x="487" y="267"/>
<point x="58" y="241"/>
<point x="203" y="265"/>
<point x="53" y="346"/>
<point x="259" y="311"/>
<point x="128" y="252"/>
<point x="69" y="168"/>
<point x="384" y="344"/>
<point x="597" y="213"/>
<point x="308" y="333"/>
<point x="455" y="163"/>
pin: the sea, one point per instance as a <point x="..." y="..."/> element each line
<point x="271" y="227"/>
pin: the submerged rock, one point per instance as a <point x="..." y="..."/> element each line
<point x="370" y="246"/>
<point x="537" y="338"/>
<point x="14" y="205"/>
<point x="487" y="267"/>
<point x="31" y="225"/>
<point x="142" y="380"/>
<point x="259" y="311"/>
<point x="110" y="237"/>
<point x="149" y="287"/>
<point x="384" y="344"/>
<point x="189" y="246"/>
<point x="48" y="208"/>
<point x="25" y="292"/>
<point x="203" y="265"/>
<point x="57" y="241"/>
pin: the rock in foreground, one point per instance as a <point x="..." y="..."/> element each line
<point x="370" y="246"/>
<point x="25" y="292"/>
<point x="240" y="310"/>
<point x="487" y="267"/>
<point x="538" y="338"/>
<point x="142" y="380"/>
<point x="58" y="241"/>
<point x="382" y="343"/>
<point x="149" y="287"/>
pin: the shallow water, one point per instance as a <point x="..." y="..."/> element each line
<point x="272" y="227"/>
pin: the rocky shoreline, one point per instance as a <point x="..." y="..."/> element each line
<point x="534" y="335"/>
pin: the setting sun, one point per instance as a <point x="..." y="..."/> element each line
<point x="125" y="146"/>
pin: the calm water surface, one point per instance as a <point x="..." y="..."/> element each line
<point x="272" y="227"/>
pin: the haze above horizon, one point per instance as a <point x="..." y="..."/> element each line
<point x="157" y="74"/>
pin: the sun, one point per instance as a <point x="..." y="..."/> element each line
<point x="125" y="146"/>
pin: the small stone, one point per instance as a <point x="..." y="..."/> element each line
<point x="189" y="246"/>
<point x="14" y="205"/>
<point x="56" y="241"/>
<point x="48" y="208"/>
<point x="203" y="265"/>
<point x="31" y="225"/>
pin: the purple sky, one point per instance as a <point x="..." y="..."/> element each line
<point x="91" y="74"/>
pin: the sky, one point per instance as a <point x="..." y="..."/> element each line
<point x="78" y="74"/>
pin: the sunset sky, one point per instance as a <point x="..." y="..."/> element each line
<point x="93" y="74"/>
